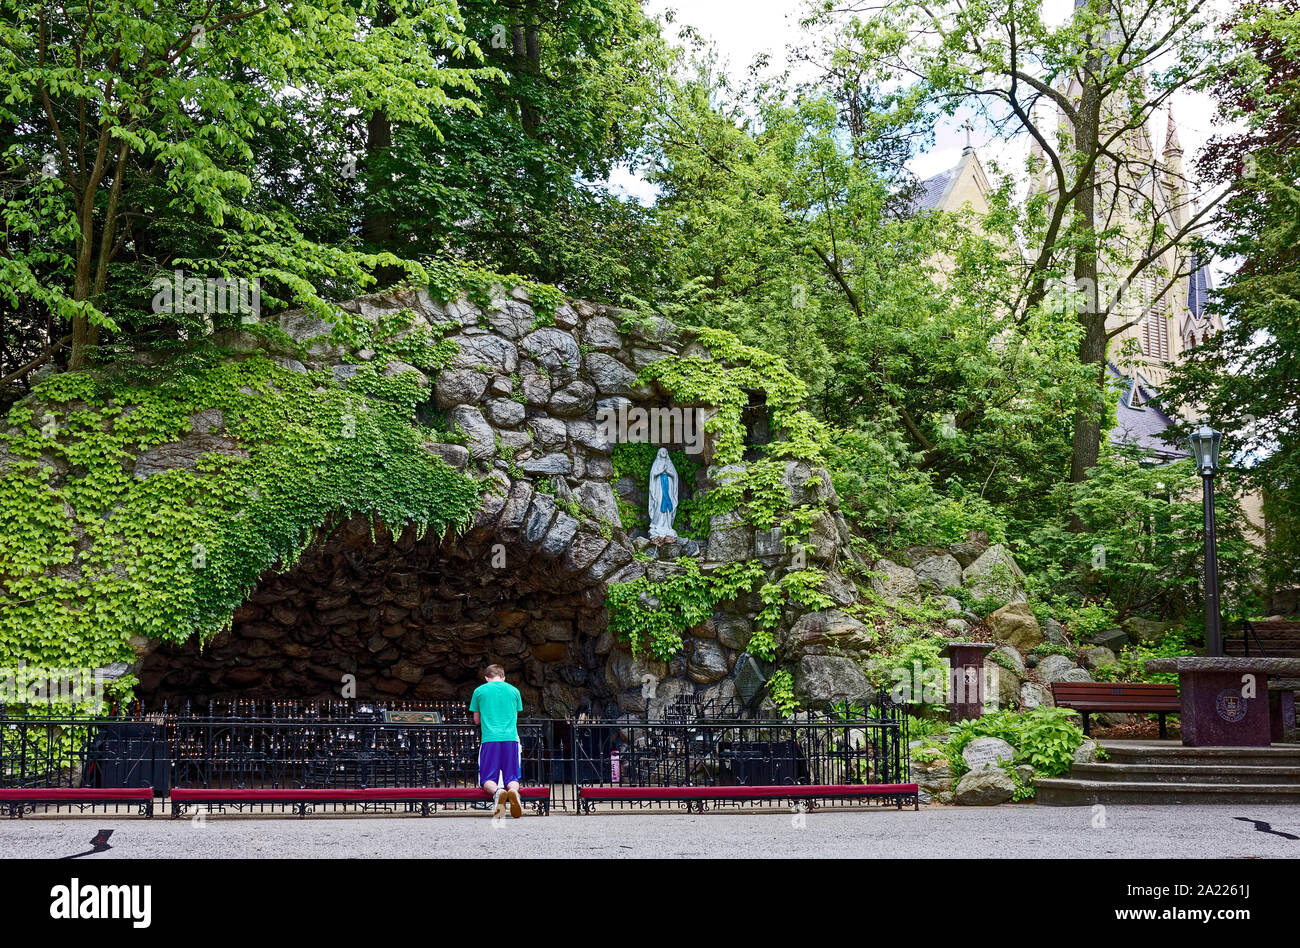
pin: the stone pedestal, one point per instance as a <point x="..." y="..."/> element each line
<point x="966" y="678"/>
<point x="1281" y="705"/>
<point x="1225" y="701"/>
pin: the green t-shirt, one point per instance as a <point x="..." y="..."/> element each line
<point x="498" y="704"/>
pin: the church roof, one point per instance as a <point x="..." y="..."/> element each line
<point x="935" y="192"/>
<point x="930" y="196"/>
<point x="1198" y="290"/>
<point x="1139" y="419"/>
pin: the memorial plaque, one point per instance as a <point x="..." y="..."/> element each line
<point x="412" y="717"/>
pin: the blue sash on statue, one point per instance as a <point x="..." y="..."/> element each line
<point x="665" y="504"/>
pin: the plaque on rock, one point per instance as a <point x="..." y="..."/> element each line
<point x="984" y="753"/>
<point x="749" y="679"/>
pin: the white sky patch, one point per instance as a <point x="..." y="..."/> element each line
<point x="744" y="29"/>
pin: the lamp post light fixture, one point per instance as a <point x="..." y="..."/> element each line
<point x="1205" y="443"/>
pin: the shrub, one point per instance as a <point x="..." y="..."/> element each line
<point x="1044" y="738"/>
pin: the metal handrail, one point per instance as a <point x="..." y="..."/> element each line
<point x="1248" y="632"/>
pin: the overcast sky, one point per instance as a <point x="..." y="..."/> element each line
<point x="742" y="29"/>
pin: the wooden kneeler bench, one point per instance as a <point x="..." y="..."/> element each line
<point x="302" y="798"/>
<point x="19" y="800"/>
<point x="697" y="797"/>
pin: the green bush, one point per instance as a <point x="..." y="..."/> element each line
<point x="1130" y="664"/>
<point x="982" y="607"/>
<point x="1082" y="619"/>
<point x="922" y="653"/>
<point x="1044" y="738"/>
<point x="1051" y="648"/>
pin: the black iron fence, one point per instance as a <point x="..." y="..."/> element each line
<point x="359" y="746"/>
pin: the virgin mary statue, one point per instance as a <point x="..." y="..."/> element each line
<point x="663" y="496"/>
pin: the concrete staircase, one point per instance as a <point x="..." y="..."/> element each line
<point x="1167" y="772"/>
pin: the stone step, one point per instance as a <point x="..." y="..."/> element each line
<point x="1069" y="792"/>
<point x="1172" y="752"/>
<point x="1186" y="773"/>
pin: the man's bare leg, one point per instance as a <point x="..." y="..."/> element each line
<point x="512" y="797"/>
<point x="499" y="804"/>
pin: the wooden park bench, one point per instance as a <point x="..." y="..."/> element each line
<point x="303" y="798"/>
<point x="697" y="797"/>
<point x="1089" y="697"/>
<point x="18" y="800"/>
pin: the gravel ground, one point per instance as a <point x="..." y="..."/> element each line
<point x="934" y="832"/>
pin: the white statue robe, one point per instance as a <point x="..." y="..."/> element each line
<point x="663" y="496"/>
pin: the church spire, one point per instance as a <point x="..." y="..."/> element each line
<point x="1173" y="147"/>
<point x="1175" y="184"/>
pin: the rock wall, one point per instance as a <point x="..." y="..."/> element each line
<point x="525" y="584"/>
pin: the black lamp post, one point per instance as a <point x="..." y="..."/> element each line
<point x="1205" y="448"/>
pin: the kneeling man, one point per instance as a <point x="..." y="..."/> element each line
<point x="496" y="705"/>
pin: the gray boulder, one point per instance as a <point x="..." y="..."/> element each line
<point x="459" y="387"/>
<point x="396" y="367"/>
<point x="504" y="412"/>
<point x="1002" y="684"/>
<point x="1055" y="633"/>
<point x="995" y="575"/>
<point x="1113" y="639"/>
<point x="933" y="776"/>
<point x="947" y="604"/>
<point x="1086" y="753"/>
<point x="730" y="539"/>
<point x="549" y="464"/>
<point x="600" y="332"/>
<point x="549" y="434"/>
<point x="453" y="454"/>
<point x="597" y="497"/>
<point x="555" y="349"/>
<point x="510" y="318"/>
<point x="612" y="377"/>
<point x="572" y="400"/>
<point x="537" y="387"/>
<point x="825" y="631"/>
<point x="939" y="572"/>
<point x="1097" y="656"/>
<point x="482" y="439"/>
<point x="984" y="788"/>
<point x="733" y="632"/>
<point x="1033" y="695"/>
<point x="1012" y="656"/>
<point x="708" y="662"/>
<point x="485" y="350"/>
<point x="820" y="680"/>
<point x="894" y="582"/>
<point x="1053" y="668"/>
<point x="1146" y="631"/>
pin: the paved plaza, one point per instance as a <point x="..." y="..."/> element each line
<point x="1026" y="831"/>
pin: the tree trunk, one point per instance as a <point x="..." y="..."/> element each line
<point x="526" y="47"/>
<point x="377" y="224"/>
<point x="1086" y="445"/>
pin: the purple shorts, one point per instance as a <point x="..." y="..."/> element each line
<point x="501" y="762"/>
